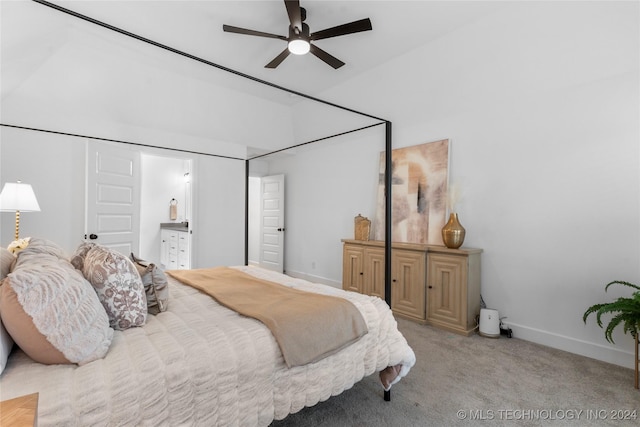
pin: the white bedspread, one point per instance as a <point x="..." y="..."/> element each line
<point x="201" y="364"/>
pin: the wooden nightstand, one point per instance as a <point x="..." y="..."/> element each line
<point x="19" y="412"/>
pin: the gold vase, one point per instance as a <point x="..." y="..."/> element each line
<point x="453" y="232"/>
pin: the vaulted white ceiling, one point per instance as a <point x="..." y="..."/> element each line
<point x="62" y="73"/>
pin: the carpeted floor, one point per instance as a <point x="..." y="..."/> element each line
<point x="465" y="381"/>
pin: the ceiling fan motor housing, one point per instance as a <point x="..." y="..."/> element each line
<point x="295" y="33"/>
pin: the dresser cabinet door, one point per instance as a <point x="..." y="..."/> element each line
<point x="169" y="248"/>
<point x="374" y="272"/>
<point x="164" y="248"/>
<point x="447" y="290"/>
<point x="353" y="268"/>
<point x="408" y="283"/>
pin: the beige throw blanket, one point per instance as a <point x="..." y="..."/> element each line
<point x="307" y="326"/>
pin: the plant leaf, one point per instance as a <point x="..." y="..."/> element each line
<point x="594" y="308"/>
<point x="610" y="327"/>
<point x="621" y="282"/>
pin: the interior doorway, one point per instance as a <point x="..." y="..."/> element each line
<point x="166" y="197"/>
<point x="112" y="215"/>
<point x="267" y="222"/>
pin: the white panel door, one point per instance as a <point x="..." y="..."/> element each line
<point x="272" y="223"/>
<point x="113" y="197"/>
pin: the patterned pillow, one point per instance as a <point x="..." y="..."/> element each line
<point x="77" y="259"/>
<point x="155" y="285"/>
<point x="117" y="282"/>
<point x="51" y="311"/>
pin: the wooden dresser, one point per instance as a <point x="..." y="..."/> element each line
<point x="429" y="284"/>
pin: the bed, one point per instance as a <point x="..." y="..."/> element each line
<point x="200" y="363"/>
<point x="196" y="362"/>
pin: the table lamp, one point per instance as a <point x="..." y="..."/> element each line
<point x="18" y="197"/>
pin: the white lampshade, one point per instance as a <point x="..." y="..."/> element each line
<point x="17" y="196"/>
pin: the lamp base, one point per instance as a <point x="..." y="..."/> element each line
<point x="17" y="235"/>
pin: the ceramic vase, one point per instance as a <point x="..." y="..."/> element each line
<point x="453" y="232"/>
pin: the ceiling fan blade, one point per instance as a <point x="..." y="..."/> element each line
<point x="329" y="59"/>
<point x="295" y="15"/>
<point x="340" y="30"/>
<point x="238" y="30"/>
<point x="278" y="59"/>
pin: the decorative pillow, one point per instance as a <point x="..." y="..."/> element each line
<point x="6" y="261"/>
<point x="77" y="260"/>
<point x="117" y="283"/>
<point x="37" y="245"/>
<point x="6" y="343"/>
<point x="50" y="310"/>
<point x="155" y="284"/>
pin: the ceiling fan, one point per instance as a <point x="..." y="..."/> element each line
<point x="299" y="39"/>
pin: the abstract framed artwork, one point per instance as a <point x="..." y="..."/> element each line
<point x="419" y="191"/>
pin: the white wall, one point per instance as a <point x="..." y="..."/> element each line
<point x="219" y="207"/>
<point x="254" y="220"/>
<point x="540" y="102"/>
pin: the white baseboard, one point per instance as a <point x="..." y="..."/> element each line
<point x="314" y="279"/>
<point x="607" y="354"/>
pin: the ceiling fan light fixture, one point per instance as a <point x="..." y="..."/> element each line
<point x="299" y="46"/>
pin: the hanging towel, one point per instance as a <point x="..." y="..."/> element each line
<point x="173" y="209"/>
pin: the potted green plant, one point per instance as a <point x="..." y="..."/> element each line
<point x="626" y="312"/>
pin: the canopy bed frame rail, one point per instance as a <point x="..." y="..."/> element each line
<point x="380" y="121"/>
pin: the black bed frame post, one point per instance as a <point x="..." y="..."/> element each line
<point x="387" y="223"/>
<point x="246" y="212"/>
<point x="387" y="217"/>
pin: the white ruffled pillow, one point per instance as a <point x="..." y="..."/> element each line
<point x="50" y="310"/>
